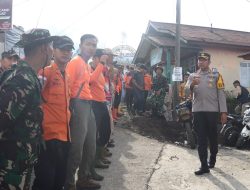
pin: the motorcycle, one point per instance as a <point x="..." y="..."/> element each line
<point x="184" y="113"/>
<point x="245" y="133"/>
<point x="231" y="130"/>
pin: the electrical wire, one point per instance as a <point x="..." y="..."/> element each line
<point x="205" y="7"/>
<point x="39" y="17"/>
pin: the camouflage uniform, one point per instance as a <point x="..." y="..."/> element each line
<point x="156" y="101"/>
<point x="20" y="118"/>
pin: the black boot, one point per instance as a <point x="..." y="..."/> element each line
<point x="202" y="171"/>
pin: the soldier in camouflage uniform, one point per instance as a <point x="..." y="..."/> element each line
<point x="20" y="112"/>
<point x="156" y="100"/>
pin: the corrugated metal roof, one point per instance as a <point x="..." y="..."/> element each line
<point x="204" y="34"/>
<point x="245" y="56"/>
<point x="162" y="41"/>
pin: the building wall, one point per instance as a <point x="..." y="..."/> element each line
<point x="228" y="64"/>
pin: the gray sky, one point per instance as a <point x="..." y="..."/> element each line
<point x="123" y="21"/>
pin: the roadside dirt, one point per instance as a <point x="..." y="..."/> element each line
<point x="157" y="128"/>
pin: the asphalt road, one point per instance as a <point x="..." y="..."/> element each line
<point x="141" y="163"/>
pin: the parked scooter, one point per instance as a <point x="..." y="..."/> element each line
<point x="245" y="133"/>
<point x="231" y="130"/>
<point x="184" y="113"/>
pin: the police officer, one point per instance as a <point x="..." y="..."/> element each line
<point x="209" y="100"/>
<point x="20" y="112"/>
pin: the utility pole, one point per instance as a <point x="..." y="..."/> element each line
<point x="178" y="22"/>
<point x="177" y="51"/>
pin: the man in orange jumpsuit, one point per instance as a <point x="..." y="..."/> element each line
<point x="51" y="167"/>
<point x="82" y="123"/>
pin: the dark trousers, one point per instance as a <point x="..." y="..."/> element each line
<point x="145" y="99"/>
<point x="50" y="171"/>
<point x="205" y="124"/>
<point x="117" y="99"/>
<point x="138" y="99"/>
<point x="102" y="119"/>
<point x="129" y="98"/>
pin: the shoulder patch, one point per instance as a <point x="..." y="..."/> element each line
<point x="220" y="82"/>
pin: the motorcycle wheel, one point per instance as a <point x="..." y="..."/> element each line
<point x="241" y="142"/>
<point x="190" y="135"/>
<point x="230" y="136"/>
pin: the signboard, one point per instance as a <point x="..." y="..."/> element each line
<point x="177" y="74"/>
<point x="5" y="14"/>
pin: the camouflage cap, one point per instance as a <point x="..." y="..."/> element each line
<point x="63" y="42"/>
<point x="9" y="54"/>
<point x="5" y="54"/>
<point x="35" y="37"/>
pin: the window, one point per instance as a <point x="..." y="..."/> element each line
<point x="245" y="74"/>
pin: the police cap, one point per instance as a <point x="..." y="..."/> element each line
<point x="204" y="56"/>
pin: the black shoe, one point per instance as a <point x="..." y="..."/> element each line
<point x="101" y="165"/>
<point x="87" y="184"/>
<point x="202" y="171"/>
<point x="110" y="145"/>
<point x="210" y="165"/>
<point x="106" y="161"/>
<point x="95" y="176"/>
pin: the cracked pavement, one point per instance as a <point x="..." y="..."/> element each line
<point x="141" y="163"/>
